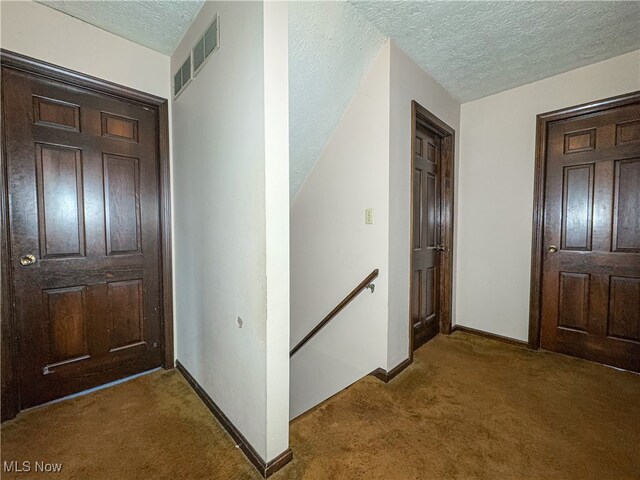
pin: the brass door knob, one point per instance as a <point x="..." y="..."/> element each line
<point x="553" y="249"/>
<point x="27" y="260"/>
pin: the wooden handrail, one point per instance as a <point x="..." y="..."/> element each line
<point x="354" y="293"/>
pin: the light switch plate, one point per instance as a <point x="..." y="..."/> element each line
<point x="368" y="216"/>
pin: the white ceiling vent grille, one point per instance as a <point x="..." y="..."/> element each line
<point x="206" y="45"/>
<point x="182" y="77"/>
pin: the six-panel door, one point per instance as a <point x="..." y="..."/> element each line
<point x="591" y="272"/>
<point x="83" y="189"/>
<point x="425" y="237"/>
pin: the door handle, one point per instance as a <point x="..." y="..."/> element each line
<point x="552" y="249"/>
<point x="27" y="260"/>
<point x="439" y="248"/>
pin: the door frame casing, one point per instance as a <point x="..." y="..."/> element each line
<point x="10" y="394"/>
<point x="422" y="116"/>
<point x="542" y="127"/>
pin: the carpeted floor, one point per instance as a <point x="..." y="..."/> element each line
<point x="468" y="408"/>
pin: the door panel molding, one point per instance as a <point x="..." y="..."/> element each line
<point x="10" y="391"/>
<point x="421" y="117"/>
<point x="542" y="126"/>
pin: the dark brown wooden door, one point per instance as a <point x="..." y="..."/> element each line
<point x="426" y="237"/>
<point x="591" y="264"/>
<point x="84" y="235"/>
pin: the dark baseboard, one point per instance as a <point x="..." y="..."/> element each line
<point x="492" y="336"/>
<point x="265" y="469"/>
<point x="277" y="463"/>
<point x="382" y="374"/>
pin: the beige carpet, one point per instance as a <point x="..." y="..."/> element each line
<point x="468" y="408"/>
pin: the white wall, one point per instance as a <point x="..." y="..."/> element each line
<point x="276" y="120"/>
<point x="495" y="191"/>
<point x="46" y="34"/>
<point x="230" y="125"/>
<point x="408" y="82"/>
<point x="332" y="250"/>
<point x="331" y="47"/>
<point x="365" y="164"/>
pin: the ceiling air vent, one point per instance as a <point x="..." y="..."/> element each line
<point x="208" y="43"/>
<point x="182" y="77"/>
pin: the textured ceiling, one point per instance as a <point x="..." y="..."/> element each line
<point x="331" y="47"/>
<point x="158" y="24"/>
<point x="478" y="48"/>
<point x="473" y="48"/>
